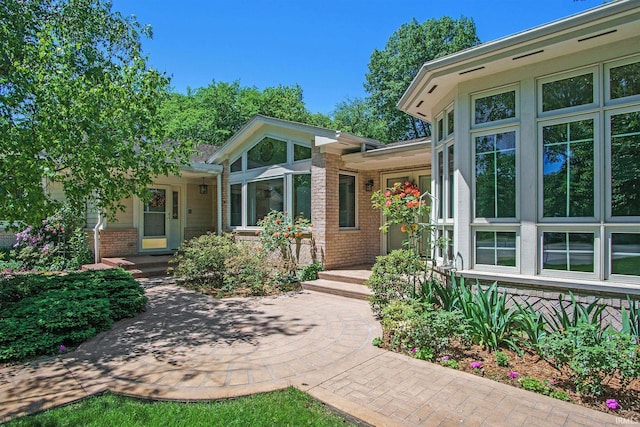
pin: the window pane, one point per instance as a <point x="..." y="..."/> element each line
<point x="495" y="107"/>
<point x="237" y="165"/>
<point x="264" y="197"/>
<point x="625" y="80"/>
<point x="568" y="251"/>
<point x="569" y="92"/>
<point x="496" y="175"/>
<point x="625" y="253"/>
<point x="450" y="122"/>
<point x="347" y="199"/>
<point x="236" y="205"/>
<point x="451" y="183"/>
<point x="625" y="164"/>
<point x="302" y="196"/>
<point x="568" y="182"/>
<point x="301" y="152"/>
<point x="267" y="152"/>
<point x="496" y="248"/>
<point x="440" y="129"/>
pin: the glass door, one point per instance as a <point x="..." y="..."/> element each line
<point x="155" y="218"/>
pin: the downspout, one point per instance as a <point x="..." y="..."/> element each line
<point x="96" y="239"/>
<point x="219" y="204"/>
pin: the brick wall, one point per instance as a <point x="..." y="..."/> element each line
<point x="342" y="247"/>
<point x="119" y="242"/>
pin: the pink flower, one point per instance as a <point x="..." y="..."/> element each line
<point x="388" y="203"/>
<point x="414" y="351"/>
<point x="444" y="359"/>
<point x="612" y="404"/>
<point x="63" y="348"/>
<point x="476" y="365"/>
<point x="514" y="374"/>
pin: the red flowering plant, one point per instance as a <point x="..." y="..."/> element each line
<point x="405" y="205"/>
<point x="282" y="233"/>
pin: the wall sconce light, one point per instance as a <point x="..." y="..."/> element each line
<point x="204" y="188"/>
<point x="368" y="186"/>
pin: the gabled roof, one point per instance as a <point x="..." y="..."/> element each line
<point x="606" y="24"/>
<point x="322" y="136"/>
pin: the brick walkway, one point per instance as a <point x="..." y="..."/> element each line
<point x="188" y="347"/>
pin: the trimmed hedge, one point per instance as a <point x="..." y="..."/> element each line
<point x="39" y="313"/>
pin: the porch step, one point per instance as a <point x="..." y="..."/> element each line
<point x="355" y="275"/>
<point x="138" y="266"/>
<point x="345" y="289"/>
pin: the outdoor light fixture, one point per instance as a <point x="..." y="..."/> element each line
<point x="204" y="188"/>
<point x="368" y="186"/>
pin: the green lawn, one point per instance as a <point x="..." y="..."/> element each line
<point x="289" y="407"/>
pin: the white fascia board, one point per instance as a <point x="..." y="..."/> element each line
<point x="203" y="168"/>
<point x="505" y="47"/>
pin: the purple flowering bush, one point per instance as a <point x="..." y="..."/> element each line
<point x="57" y="243"/>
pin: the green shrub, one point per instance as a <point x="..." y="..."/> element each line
<point x="201" y="260"/>
<point x="533" y="384"/>
<point x="58" y="243"/>
<point x="39" y="313"/>
<point x="493" y="323"/>
<point x="247" y="269"/>
<point x="392" y="278"/>
<point x="310" y="271"/>
<point x="282" y="234"/>
<point x="416" y="325"/>
<point x="502" y="359"/>
<point x="593" y="356"/>
<point x="531" y="323"/>
<point x="631" y="319"/>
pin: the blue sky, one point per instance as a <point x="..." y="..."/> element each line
<point x="323" y="46"/>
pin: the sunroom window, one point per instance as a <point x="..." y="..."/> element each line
<point x="264" y="197"/>
<point x="568" y="92"/>
<point x="625" y="164"/>
<point x="625" y="254"/>
<point x="267" y="152"/>
<point x="235" y="191"/>
<point x="236" y="166"/>
<point x="568" y="251"/>
<point x="300" y="152"/>
<point x="568" y="169"/>
<point x="496" y="248"/>
<point x="302" y="196"/>
<point x="496" y="175"/>
<point x="492" y="108"/>
<point x="624" y="80"/>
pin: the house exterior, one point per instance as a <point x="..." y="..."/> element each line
<point x="325" y="175"/>
<point x="536" y="155"/>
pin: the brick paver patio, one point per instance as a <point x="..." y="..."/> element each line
<point x="189" y="347"/>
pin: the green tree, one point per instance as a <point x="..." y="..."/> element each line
<point x="78" y="106"/>
<point x="392" y="69"/>
<point x="214" y="113"/>
<point x="358" y="116"/>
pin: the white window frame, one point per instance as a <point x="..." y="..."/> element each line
<point x="285" y="171"/>
<point x="623" y="278"/>
<point x="356" y="195"/>
<point x="597" y="164"/>
<point x="607" y="81"/>
<point x="594" y="69"/>
<point x="608" y="173"/>
<point x="496" y="91"/>
<point x="495" y="130"/>
<point x="597" y="252"/>
<point x="496" y="229"/>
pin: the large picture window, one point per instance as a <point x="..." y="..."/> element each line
<point x="496" y="175"/>
<point x="264" y="197"/>
<point x="568" y="169"/>
<point x="347" y="201"/>
<point x="267" y="152"/>
<point x="625" y="164"/>
<point x="624" y="80"/>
